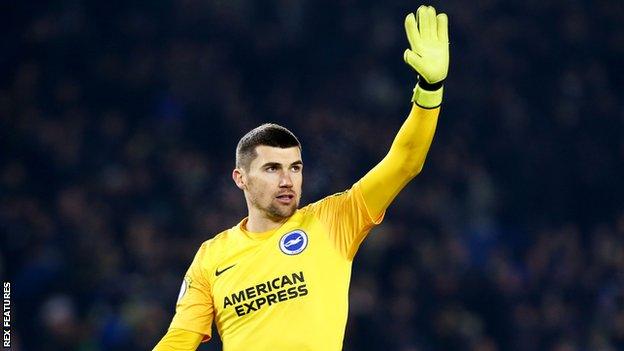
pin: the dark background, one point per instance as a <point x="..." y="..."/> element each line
<point x="119" y="120"/>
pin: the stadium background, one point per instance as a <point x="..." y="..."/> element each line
<point x="119" y="122"/>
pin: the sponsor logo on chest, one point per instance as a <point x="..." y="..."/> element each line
<point x="276" y="290"/>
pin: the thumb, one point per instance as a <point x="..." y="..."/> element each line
<point x="412" y="59"/>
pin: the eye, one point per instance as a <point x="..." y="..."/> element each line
<point x="296" y="168"/>
<point x="271" y="169"/>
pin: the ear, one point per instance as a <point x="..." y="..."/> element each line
<point x="239" y="178"/>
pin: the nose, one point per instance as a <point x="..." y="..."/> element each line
<point x="285" y="181"/>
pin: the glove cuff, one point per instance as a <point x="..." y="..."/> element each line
<point x="427" y="98"/>
<point x="429" y="86"/>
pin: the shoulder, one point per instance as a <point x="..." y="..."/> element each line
<point x="213" y="246"/>
<point x="335" y="198"/>
<point x="328" y="198"/>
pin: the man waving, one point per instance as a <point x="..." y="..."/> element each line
<point x="279" y="279"/>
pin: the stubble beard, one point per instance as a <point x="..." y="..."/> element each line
<point x="274" y="211"/>
<point x="277" y="212"/>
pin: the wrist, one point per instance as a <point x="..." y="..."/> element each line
<point x="422" y="82"/>
<point x="427" y="95"/>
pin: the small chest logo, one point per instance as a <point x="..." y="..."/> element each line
<point x="293" y="243"/>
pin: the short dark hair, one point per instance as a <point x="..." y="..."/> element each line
<point x="268" y="134"/>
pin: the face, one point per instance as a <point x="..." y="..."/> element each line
<point x="273" y="183"/>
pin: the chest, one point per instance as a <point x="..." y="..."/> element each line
<point x="273" y="273"/>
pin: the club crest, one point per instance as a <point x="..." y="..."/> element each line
<point x="294" y="242"/>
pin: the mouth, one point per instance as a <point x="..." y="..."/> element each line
<point x="285" y="199"/>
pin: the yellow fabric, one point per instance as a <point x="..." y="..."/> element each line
<point x="194" y="309"/>
<point x="267" y="296"/>
<point x="179" y="340"/>
<point x="403" y="162"/>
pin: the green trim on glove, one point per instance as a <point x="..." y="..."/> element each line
<point x="426" y="98"/>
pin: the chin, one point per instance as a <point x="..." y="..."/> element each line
<point x="282" y="212"/>
<point x="288" y="212"/>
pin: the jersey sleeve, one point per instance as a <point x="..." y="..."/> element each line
<point x="178" y="339"/>
<point x="347" y="219"/>
<point x="195" y="309"/>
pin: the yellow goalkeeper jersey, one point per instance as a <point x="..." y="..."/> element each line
<point x="286" y="289"/>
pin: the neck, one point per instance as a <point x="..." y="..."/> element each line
<point x="258" y="222"/>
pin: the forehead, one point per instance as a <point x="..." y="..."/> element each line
<point x="276" y="154"/>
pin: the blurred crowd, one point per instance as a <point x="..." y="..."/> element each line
<point x="119" y="121"/>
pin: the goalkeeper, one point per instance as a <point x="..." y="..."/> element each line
<point x="279" y="279"/>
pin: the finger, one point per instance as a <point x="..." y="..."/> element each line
<point x="423" y="22"/>
<point x="411" y="30"/>
<point x="431" y="15"/>
<point x="412" y="59"/>
<point x="443" y="28"/>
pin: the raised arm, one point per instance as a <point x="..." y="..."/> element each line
<point x="429" y="56"/>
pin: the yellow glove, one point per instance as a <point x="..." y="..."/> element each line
<point x="429" y="54"/>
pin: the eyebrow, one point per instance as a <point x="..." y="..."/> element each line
<point x="277" y="164"/>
